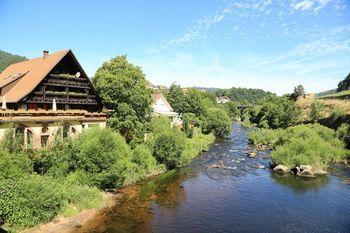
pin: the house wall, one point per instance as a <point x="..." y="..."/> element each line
<point x="160" y="106"/>
<point x="50" y="132"/>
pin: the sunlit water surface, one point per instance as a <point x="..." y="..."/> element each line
<point x="241" y="196"/>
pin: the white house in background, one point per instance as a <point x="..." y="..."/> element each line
<point x="222" y="99"/>
<point x="161" y="107"/>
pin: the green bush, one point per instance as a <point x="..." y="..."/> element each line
<point x="195" y="145"/>
<point x="337" y="114"/>
<point x="168" y="148"/>
<point x="265" y="136"/>
<point x="343" y="133"/>
<point x="218" y="122"/>
<point x="58" y="160"/>
<point x="189" y="122"/>
<point x="104" y="156"/>
<point x="311" y="144"/>
<point x="29" y="200"/>
<point x="316" y="109"/>
<point x="146" y="163"/>
<point x="14" y="165"/>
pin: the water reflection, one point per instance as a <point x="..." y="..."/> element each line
<point x="300" y="184"/>
<point x="133" y="211"/>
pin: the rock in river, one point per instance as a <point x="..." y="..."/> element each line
<point x="305" y="171"/>
<point x="252" y="154"/>
<point x="281" y="169"/>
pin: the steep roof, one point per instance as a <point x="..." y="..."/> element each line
<point x="156" y="96"/>
<point x="26" y="75"/>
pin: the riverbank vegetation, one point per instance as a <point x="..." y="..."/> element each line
<point x="311" y="144"/>
<point x="72" y="173"/>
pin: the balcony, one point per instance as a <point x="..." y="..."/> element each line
<point x="7" y="116"/>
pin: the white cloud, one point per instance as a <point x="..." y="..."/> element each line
<point x="303" y="5"/>
<point x="314" y="6"/>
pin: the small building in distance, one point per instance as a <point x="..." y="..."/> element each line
<point x="222" y="99"/>
<point x="161" y="107"/>
<point x="48" y="97"/>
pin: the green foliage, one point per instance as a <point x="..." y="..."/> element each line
<point x="316" y="109"/>
<point x="177" y="99"/>
<point x="7" y="59"/>
<point x="78" y="197"/>
<point x="146" y="163"/>
<point x="315" y="145"/>
<point x="232" y="110"/>
<point x="193" y="101"/>
<point x="195" y="145"/>
<point x="190" y="121"/>
<point x="10" y="143"/>
<point x="218" y="122"/>
<point x="171" y="147"/>
<point x="344" y="84"/>
<point x="168" y="148"/>
<point x="29" y="201"/>
<point x="277" y="112"/>
<point x="343" y="133"/>
<point x="298" y="91"/>
<point x="244" y="95"/>
<point x="123" y="88"/>
<point x="14" y="165"/>
<point x="337" y="114"/>
<point x="105" y="156"/>
<point x="58" y="160"/>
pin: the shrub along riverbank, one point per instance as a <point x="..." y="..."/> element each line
<point x="71" y="175"/>
<point x="311" y="144"/>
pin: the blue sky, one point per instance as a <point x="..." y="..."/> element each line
<point x="268" y="44"/>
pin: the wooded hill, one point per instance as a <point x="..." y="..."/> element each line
<point x="244" y="95"/>
<point x="7" y="59"/>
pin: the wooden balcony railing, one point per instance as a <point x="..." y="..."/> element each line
<point x="37" y="115"/>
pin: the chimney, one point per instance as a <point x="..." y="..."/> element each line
<point x="45" y="54"/>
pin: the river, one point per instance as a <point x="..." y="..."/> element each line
<point x="241" y="196"/>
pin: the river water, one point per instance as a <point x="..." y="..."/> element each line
<point x="242" y="195"/>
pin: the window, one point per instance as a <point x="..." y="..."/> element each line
<point x="65" y="131"/>
<point x="73" y="130"/>
<point x="44" y="140"/>
<point x="44" y="129"/>
<point x="30" y="138"/>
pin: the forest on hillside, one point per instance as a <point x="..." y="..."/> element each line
<point x="7" y="59"/>
<point x="244" y="95"/>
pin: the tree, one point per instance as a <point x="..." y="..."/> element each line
<point x="123" y="88"/>
<point x="345" y="84"/>
<point x="278" y="112"/>
<point x="298" y="91"/>
<point x="168" y="148"/>
<point x="218" y="122"/>
<point x="232" y="110"/>
<point x="177" y="98"/>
